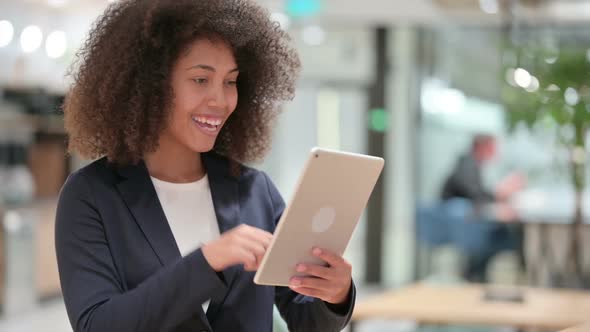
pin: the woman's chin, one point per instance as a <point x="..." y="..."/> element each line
<point x="202" y="148"/>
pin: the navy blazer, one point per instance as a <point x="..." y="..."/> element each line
<point x="121" y="271"/>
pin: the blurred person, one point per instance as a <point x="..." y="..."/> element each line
<point x="164" y="231"/>
<point x="465" y="181"/>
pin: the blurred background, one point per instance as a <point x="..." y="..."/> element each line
<point x="481" y="109"/>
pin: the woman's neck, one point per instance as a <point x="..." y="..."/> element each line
<point x="174" y="163"/>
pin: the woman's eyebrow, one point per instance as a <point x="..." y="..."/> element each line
<point x="209" y="68"/>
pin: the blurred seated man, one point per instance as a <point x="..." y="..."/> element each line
<point x="465" y="181"/>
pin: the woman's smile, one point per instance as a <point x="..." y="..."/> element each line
<point x="208" y="124"/>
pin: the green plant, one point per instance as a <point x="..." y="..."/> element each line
<point x="552" y="89"/>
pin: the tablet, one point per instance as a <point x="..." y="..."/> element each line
<point x="329" y="199"/>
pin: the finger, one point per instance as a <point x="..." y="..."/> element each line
<point x="252" y="231"/>
<point x="259" y="260"/>
<point x="314" y="283"/>
<point x="250" y="268"/>
<point x="263" y="233"/>
<point x="258" y="231"/>
<point x="329" y="257"/>
<point x="258" y="235"/>
<point x="257" y="249"/>
<point x="318" y="271"/>
<point x="248" y="259"/>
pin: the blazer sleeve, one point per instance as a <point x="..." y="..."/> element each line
<point x="304" y="313"/>
<point x="94" y="296"/>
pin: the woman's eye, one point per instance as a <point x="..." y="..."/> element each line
<point x="200" y="80"/>
<point x="232" y="82"/>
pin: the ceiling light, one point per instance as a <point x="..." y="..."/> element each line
<point x="31" y="39"/>
<point x="56" y="44"/>
<point x="282" y="19"/>
<point x="6" y="33"/>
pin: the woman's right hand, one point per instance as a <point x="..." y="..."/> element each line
<point x="242" y="245"/>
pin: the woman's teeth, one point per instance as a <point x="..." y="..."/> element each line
<point x="203" y="120"/>
<point x="207" y="124"/>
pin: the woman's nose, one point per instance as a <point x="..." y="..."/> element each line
<point x="217" y="98"/>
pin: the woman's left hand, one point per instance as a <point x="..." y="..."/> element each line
<point x="329" y="283"/>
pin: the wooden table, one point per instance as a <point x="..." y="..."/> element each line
<point x="581" y="328"/>
<point x="465" y="305"/>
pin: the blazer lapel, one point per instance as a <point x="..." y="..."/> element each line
<point x="225" y="196"/>
<point x="140" y="196"/>
<point x="224" y="192"/>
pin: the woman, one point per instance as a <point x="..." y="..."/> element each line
<point x="163" y="232"/>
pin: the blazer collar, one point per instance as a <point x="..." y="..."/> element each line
<point x="141" y="198"/>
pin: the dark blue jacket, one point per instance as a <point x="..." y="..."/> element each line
<point x="121" y="270"/>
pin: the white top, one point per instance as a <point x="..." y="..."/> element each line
<point x="190" y="213"/>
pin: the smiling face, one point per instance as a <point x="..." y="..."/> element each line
<point x="203" y="81"/>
